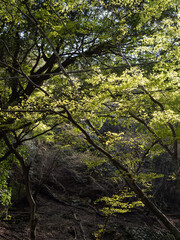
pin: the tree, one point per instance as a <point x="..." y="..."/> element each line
<point x="88" y="62"/>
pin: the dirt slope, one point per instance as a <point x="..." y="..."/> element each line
<point x="66" y="209"/>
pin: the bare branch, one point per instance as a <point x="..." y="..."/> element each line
<point x="40" y="134"/>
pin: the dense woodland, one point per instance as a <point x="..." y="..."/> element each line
<point x="99" y="79"/>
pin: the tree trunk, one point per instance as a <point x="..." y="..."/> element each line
<point x="32" y="204"/>
<point x="25" y="169"/>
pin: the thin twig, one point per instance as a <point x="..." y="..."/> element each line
<point x="81" y="227"/>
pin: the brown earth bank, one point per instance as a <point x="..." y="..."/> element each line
<point x="65" y="192"/>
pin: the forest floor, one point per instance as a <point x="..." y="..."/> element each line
<point x="66" y="210"/>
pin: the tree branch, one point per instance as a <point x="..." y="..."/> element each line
<point x="130" y="181"/>
<point x="140" y="120"/>
<point x="175" y="144"/>
<point x="40" y="134"/>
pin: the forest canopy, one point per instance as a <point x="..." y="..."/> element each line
<point x="90" y="63"/>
